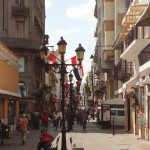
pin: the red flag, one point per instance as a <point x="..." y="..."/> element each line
<point x="74" y="60"/>
<point x="54" y="100"/>
<point x="66" y="86"/>
<point x="52" y="57"/>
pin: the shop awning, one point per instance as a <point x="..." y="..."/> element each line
<point x="115" y="101"/>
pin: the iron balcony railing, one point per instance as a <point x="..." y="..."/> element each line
<point x="129" y="38"/>
<point x="20" y="10"/>
<point x="123" y="71"/>
<point x="144" y="56"/>
<point x="20" y="43"/>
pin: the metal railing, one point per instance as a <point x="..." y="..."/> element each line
<point x="20" y="43"/>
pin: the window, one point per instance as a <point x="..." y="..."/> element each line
<point x="140" y="32"/>
<point x="23" y="89"/>
<point x="113" y="112"/>
<point x="147" y="32"/>
<point x="19" y="28"/>
<point x="120" y="113"/>
<point x="22" y="63"/>
<point x="19" y="1"/>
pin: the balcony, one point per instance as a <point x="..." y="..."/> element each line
<point x="108" y="55"/>
<point x="123" y="70"/>
<point x="134" y="43"/>
<point x="20" y="10"/>
<point x="100" y="88"/>
<point x="20" y="43"/>
<point x="144" y="56"/>
<point x="95" y="59"/>
<point x="134" y="12"/>
<point x="95" y="11"/>
<point x="96" y="31"/>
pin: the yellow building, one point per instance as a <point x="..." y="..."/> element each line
<point x="9" y="87"/>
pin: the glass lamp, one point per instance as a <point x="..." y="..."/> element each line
<point x="43" y="51"/>
<point x="62" y="46"/>
<point x="80" y="53"/>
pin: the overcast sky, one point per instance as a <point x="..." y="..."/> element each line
<point x="75" y="21"/>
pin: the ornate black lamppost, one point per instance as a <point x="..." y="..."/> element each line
<point x="71" y="89"/>
<point x="71" y="102"/>
<point x="62" y="70"/>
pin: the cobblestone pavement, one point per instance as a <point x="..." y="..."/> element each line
<point x="15" y="143"/>
<point x="94" y="138"/>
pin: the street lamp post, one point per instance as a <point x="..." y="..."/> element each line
<point x="62" y="49"/>
<point x="71" y="102"/>
<point x="71" y="84"/>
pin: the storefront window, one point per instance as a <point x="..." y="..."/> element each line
<point x="11" y="112"/>
<point x="23" y="89"/>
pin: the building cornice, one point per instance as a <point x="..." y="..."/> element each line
<point x="8" y="56"/>
<point x="9" y="93"/>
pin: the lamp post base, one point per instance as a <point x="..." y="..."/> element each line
<point x="63" y="144"/>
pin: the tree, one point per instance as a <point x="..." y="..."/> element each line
<point x="44" y="93"/>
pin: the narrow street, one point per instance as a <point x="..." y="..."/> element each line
<point x="94" y="138"/>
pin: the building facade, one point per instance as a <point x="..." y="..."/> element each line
<point x="130" y="41"/>
<point x="107" y="26"/>
<point x="22" y="28"/>
<point x="9" y="88"/>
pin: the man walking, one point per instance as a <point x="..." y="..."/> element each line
<point x="84" y="120"/>
<point x="45" y="120"/>
<point x="23" y="123"/>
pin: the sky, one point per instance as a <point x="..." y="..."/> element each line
<point x="74" y="21"/>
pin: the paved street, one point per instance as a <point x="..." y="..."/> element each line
<point x="94" y="138"/>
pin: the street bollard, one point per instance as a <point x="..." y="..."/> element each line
<point x="2" y="136"/>
<point x="113" y="127"/>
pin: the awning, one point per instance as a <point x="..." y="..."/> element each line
<point x="144" y="16"/>
<point x="131" y="83"/>
<point x="115" y="101"/>
<point x="9" y="93"/>
<point x="134" y="13"/>
<point x="108" y="55"/>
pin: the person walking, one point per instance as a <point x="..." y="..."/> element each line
<point x="56" y="119"/>
<point x="79" y="117"/>
<point x="141" y="125"/>
<point x="45" y="140"/>
<point x="84" y="120"/>
<point x="23" y="124"/>
<point x="45" y="120"/>
<point x="29" y="120"/>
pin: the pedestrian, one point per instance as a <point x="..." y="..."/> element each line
<point x="68" y="118"/>
<point x="29" y="119"/>
<point x="61" y="119"/>
<point x="45" y="140"/>
<point x="45" y="120"/>
<point x="23" y="124"/>
<point x="141" y="125"/>
<point x="79" y="117"/>
<point x="56" y="119"/>
<point x="84" y="120"/>
<point x="1" y="127"/>
<point x="36" y="120"/>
